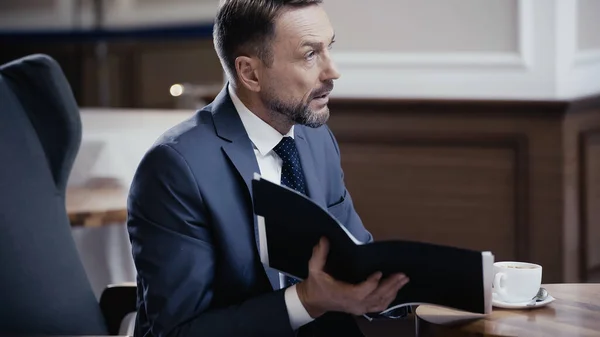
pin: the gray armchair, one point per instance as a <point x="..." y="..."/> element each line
<point x="44" y="289"/>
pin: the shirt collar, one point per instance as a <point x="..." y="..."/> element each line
<point x="263" y="136"/>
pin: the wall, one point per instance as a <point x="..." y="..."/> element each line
<point x="526" y="49"/>
<point x="426" y="26"/>
<point x="440" y="49"/>
<point x="151" y="45"/>
<point x="588" y="26"/>
<point x="577" y="48"/>
<point x="64" y="14"/>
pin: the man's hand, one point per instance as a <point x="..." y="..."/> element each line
<point x="321" y="293"/>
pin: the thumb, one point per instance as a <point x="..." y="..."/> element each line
<point x="319" y="256"/>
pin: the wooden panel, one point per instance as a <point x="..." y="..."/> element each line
<point x="29" y="5"/>
<point x="589" y="156"/>
<point x="69" y="56"/>
<point x="438" y="191"/>
<point x="457" y="157"/>
<point x="159" y="67"/>
<point x="117" y="82"/>
<point x="140" y="72"/>
<point x="581" y="128"/>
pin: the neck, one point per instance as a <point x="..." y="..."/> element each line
<point x="276" y="120"/>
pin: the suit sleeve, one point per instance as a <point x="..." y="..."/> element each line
<point x="348" y="215"/>
<point x="175" y="258"/>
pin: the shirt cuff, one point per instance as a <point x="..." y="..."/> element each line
<point x="298" y="314"/>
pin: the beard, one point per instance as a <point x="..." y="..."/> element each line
<point x="299" y="111"/>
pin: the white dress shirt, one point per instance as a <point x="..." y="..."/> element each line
<point x="264" y="138"/>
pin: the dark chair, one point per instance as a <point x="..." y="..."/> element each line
<point x="44" y="289"/>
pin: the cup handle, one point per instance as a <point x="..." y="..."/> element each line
<point x="501" y="291"/>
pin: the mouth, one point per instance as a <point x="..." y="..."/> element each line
<point x="323" y="96"/>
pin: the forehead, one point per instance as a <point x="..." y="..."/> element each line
<point x="306" y="23"/>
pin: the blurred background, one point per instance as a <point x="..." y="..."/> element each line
<point x="462" y="122"/>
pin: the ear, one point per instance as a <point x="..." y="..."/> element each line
<point x="248" y="72"/>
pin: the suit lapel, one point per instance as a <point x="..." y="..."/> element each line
<point x="242" y="157"/>
<point x="309" y="167"/>
<point x="238" y="148"/>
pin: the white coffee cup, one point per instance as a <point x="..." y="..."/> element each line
<point x="516" y="282"/>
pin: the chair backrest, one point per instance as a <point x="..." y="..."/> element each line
<point x="43" y="286"/>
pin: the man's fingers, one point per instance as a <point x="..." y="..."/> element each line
<point x="319" y="255"/>
<point x="381" y="303"/>
<point x="363" y="289"/>
<point x="381" y="297"/>
<point x="373" y="294"/>
<point x="393" y="291"/>
<point x="390" y="284"/>
<point x="375" y="277"/>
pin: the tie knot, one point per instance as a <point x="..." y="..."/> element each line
<point x="286" y="149"/>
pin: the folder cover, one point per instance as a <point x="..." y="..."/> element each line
<point x="290" y="225"/>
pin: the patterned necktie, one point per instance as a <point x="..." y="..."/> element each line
<point x="292" y="176"/>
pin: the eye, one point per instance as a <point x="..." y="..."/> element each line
<point x="310" y="55"/>
<point x="331" y="45"/>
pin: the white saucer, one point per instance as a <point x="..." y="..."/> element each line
<point x="523" y="305"/>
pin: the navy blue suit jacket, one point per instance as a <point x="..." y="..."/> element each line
<point x="192" y="229"/>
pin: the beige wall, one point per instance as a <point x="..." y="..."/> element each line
<point x="524" y="49"/>
<point x="143" y="12"/>
<point x="60" y="13"/>
<point x="493" y="49"/>
<point x="588" y="27"/>
<point x="577" y="48"/>
<point x="15" y="14"/>
<point x="425" y="25"/>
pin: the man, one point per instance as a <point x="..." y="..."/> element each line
<point x="191" y="223"/>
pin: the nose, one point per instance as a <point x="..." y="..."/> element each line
<point x="330" y="71"/>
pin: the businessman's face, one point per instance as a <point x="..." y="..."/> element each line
<point x="298" y="82"/>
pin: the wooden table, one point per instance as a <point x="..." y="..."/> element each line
<point x="96" y="206"/>
<point x="576" y="312"/>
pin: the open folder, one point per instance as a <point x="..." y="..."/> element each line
<point x="290" y="225"/>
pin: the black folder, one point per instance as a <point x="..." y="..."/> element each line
<point x="290" y="225"/>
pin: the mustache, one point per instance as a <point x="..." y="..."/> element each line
<point x="325" y="89"/>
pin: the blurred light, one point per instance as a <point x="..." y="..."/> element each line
<point x="176" y="90"/>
